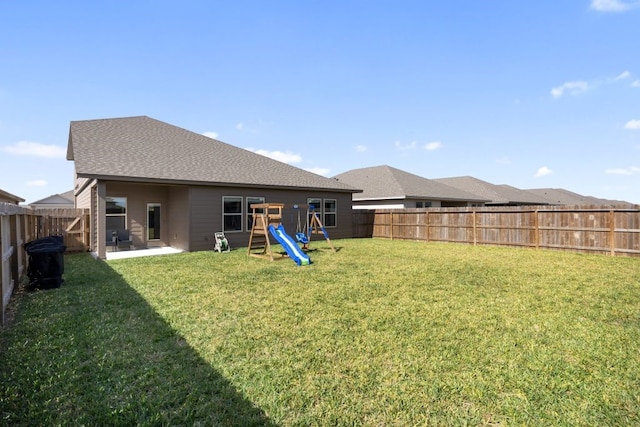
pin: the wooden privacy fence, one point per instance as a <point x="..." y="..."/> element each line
<point x="591" y="229"/>
<point x="19" y="225"/>
<point x="71" y="224"/>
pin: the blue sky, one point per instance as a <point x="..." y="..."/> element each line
<point x="533" y="94"/>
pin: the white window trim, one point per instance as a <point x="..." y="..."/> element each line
<point x="321" y="211"/>
<point x="242" y="225"/>
<point x="126" y="210"/>
<point x="334" y="213"/>
<point x="261" y="199"/>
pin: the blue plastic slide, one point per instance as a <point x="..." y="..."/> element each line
<point x="289" y="245"/>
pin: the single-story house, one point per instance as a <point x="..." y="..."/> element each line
<point x="168" y="186"/>
<point x="62" y="200"/>
<point x="560" y="196"/>
<point x="497" y="195"/>
<point x="385" y="187"/>
<point x="6" y="197"/>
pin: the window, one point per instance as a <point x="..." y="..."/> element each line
<point x="315" y="205"/>
<point x="116" y="213"/>
<point x="330" y="213"/>
<point x="232" y="213"/>
<point x="327" y="211"/>
<point x="251" y="201"/>
<point x="423" y="204"/>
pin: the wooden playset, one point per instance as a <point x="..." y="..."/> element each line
<point x="266" y="219"/>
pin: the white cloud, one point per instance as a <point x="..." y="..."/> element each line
<point x="319" y="171"/>
<point x="623" y="75"/>
<point x="285" y="157"/>
<point x="240" y="126"/>
<point x="26" y="148"/>
<point x="213" y="135"/>
<point x="632" y="170"/>
<point x="612" y="5"/>
<point x="572" y="88"/>
<point x="543" y="171"/>
<point x="361" y="148"/>
<point x="636" y="83"/>
<point x="404" y="147"/>
<point x="580" y="86"/>
<point x="632" y="125"/>
<point x="37" y="183"/>
<point x="432" y="146"/>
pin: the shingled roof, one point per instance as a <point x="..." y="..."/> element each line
<point x="148" y="150"/>
<point x="65" y="198"/>
<point x="497" y="194"/>
<point x="560" y="196"/>
<point x="10" y="198"/>
<point x="388" y="183"/>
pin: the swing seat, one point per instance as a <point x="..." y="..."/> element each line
<point x="302" y="238"/>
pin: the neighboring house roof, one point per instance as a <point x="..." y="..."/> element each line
<point x="559" y="196"/>
<point x="148" y="150"/>
<point x="10" y="198"/>
<point x="387" y="183"/>
<point x="65" y="199"/>
<point x="497" y="194"/>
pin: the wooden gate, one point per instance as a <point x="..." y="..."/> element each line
<point x="71" y="224"/>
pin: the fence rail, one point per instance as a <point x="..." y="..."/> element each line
<point x="592" y="229"/>
<point x="19" y="225"/>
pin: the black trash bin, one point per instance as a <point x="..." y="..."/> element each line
<point x="46" y="262"/>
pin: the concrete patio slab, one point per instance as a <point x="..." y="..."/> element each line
<point x="165" y="250"/>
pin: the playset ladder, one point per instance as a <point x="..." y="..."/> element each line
<point x="259" y="243"/>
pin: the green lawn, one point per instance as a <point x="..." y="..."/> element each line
<point x="379" y="333"/>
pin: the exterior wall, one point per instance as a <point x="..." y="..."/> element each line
<point x="9" y="200"/>
<point x="83" y="199"/>
<point x="206" y="213"/>
<point x="191" y="215"/>
<point x="178" y="211"/>
<point x="407" y="203"/>
<point x="457" y="204"/>
<point x="86" y="199"/>
<point x="372" y="206"/>
<point x="81" y="184"/>
<point x="138" y="196"/>
<point x="392" y="204"/>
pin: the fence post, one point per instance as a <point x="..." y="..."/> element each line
<point x="612" y="232"/>
<point x="391" y="224"/>
<point x="14" y="223"/>
<point x="475" y="228"/>
<point x="427" y="221"/>
<point x="6" y="253"/>
<point x="536" y="231"/>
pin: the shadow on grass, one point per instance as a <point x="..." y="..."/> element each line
<point x="93" y="352"/>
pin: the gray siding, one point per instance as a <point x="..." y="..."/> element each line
<point x="83" y="199"/>
<point x="191" y="215"/>
<point x="178" y="214"/>
<point x="206" y="213"/>
<point x="138" y="195"/>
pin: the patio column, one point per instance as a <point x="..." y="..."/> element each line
<point x="101" y="219"/>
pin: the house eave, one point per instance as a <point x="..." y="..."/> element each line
<point x="211" y="183"/>
<point x="451" y="199"/>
